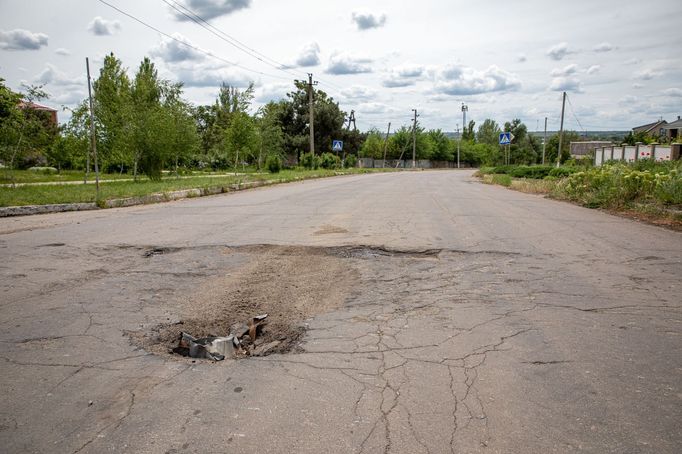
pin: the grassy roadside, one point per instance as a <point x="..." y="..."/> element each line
<point x="29" y="176"/>
<point x="646" y="191"/>
<point x="54" y="194"/>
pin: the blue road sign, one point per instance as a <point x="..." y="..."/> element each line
<point x="505" y="138"/>
<point x="337" y="145"/>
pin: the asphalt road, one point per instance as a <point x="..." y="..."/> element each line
<point x="475" y="319"/>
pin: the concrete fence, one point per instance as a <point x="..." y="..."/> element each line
<point x="407" y="164"/>
<point x="632" y="153"/>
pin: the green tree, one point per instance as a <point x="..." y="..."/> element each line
<point x="553" y="146"/>
<point x="25" y="133"/>
<point x="468" y="132"/>
<point x="441" y="147"/>
<point x="489" y="132"/>
<point x="183" y="137"/>
<point x="373" y="146"/>
<point x="400" y="144"/>
<point x="113" y="104"/>
<point x="214" y="120"/>
<point x="270" y="138"/>
<point x="241" y="138"/>
<point x="329" y="120"/>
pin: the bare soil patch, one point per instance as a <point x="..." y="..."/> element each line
<point x="289" y="283"/>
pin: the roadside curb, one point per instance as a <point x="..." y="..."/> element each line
<point x="28" y="210"/>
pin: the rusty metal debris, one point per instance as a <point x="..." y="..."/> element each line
<point x="231" y="346"/>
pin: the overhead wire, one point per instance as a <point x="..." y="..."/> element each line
<point x="191" y="46"/>
<point x="196" y="18"/>
<point x="574" y="115"/>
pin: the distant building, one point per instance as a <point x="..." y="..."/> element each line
<point x="674" y="129"/>
<point x="50" y="113"/>
<point x="582" y="149"/>
<point x="655" y="129"/>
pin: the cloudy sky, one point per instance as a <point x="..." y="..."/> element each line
<point x="618" y="60"/>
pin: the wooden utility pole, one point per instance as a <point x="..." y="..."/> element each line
<point x="93" y="141"/>
<point x="311" y="111"/>
<point x="544" y="143"/>
<point x="414" y="140"/>
<point x="561" y="131"/>
<point x="386" y="142"/>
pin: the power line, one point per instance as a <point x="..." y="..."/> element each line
<point x="573" y="112"/>
<point x="191" y="46"/>
<point x="194" y="17"/>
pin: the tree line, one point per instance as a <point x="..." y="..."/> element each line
<point x="144" y="125"/>
<point x="477" y="147"/>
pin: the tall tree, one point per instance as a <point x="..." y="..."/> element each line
<point x="441" y="147"/>
<point x="240" y="138"/>
<point x="25" y="132"/>
<point x="488" y="132"/>
<point x="113" y="111"/>
<point x="270" y="138"/>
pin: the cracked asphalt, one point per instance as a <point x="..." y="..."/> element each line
<point x="477" y="320"/>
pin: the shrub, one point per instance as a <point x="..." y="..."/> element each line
<point x="44" y="170"/>
<point x="330" y="161"/>
<point x="618" y="185"/>
<point x="351" y="161"/>
<point x="309" y="161"/>
<point x="561" y="172"/>
<point x="273" y="163"/>
<point x="504" y="180"/>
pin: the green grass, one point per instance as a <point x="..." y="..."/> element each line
<point x="53" y="194"/>
<point x="28" y="176"/>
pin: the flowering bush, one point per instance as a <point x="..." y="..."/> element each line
<point x="616" y="185"/>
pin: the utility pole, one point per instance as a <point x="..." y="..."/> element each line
<point x="386" y="142"/>
<point x="414" y="140"/>
<point x="458" y="142"/>
<point x="561" y="131"/>
<point x="93" y="142"/>
<point x="311" y="111"/>
<point x="544" y="143"/>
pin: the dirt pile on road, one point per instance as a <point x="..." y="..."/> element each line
<point x="289" y="283"/>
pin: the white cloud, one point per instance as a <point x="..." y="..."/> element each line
<point x="637" y="86"/>
<point x="674" y="92"/>
<point x="272" y="92"/>
<point x="173" y="51"/>
<point x="62" y="88"/>
<point x="344" y="63"/>
<point x="594" y="69"/>
<point x="565" y="84"/>
<point x="366" y="21"/>
<point x="462" y="80"/>
<point x="521" y="58"/>
<point x="647" y="74"/>
<point x="565" y="71"/>
<point x="558" y="51"/>
<point x="403" y="76"/>
<point x="309" y="55"/>
<point x="374" y="108"/>
<point x="210" y="9"/>
<point x="603" y="47"/>
<point x="52" y="75"/>
<point x="103" y="27"/>
<point x="632" y="61"/>
<point x="63" y="52"/>
<point x="358" y="92"/>
<point x="203" y="75"/>
<point x="20" y="39"/>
